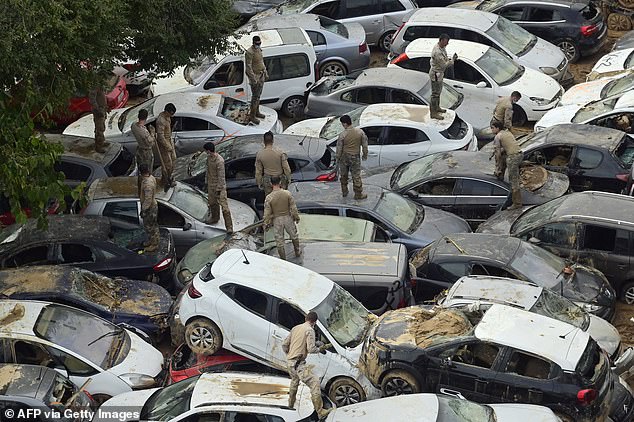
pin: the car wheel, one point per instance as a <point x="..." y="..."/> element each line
<point x="203" y="337"/>
<point x="570" y="49"/>
<point x="293" y="105"/>
<point x="619" y="22"/>
<point x="385" y="42"/>
<point x="399" y="382"/>
<point x="519" y="116"/>
<point x="627" y="293"/>
<point x="345" y="391"/>
<point x="99" y="399"/>
<point x="333" y="68"/>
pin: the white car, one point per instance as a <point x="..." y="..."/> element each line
<point x="483" y="74"/>
<point x="208" y="397"/>
<point x="481" y="292"/>
<point x="439" y="408"/>
<point x="199" y="118"/>
<point x="78" y="344"/>
<point x="270" y="296"/>
<point x="613" y="63"/>
<point x="598" y="113"/>
<point x="397" y="133"/>
<point x="599" y="89"/>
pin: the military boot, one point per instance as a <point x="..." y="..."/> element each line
<point x="344" y="190"/>
<point x="213" y="216"/>
<point x="281" y="252"/>
<point x="252" y="110"/>
<point x="318" y="404"/>
<point x="360" y="195"/>
<point x="292" y="393"/>
<point x="226" y="214"/>
<point x="257" y="110"/>
<point x="298" y="250"/>
<point x="434" y="109"/>
<point x="516" y="196"/>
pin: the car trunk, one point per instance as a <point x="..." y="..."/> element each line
<point x="594" y="370"/>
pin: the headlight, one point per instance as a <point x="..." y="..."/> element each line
<point x="548" y="70"/>
<point x="588" y="307"/>
<point x="185" y="276"/>
<point x="138" y="381"/>
<point x="540" y="101"/>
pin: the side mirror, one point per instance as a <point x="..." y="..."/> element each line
<point x="187" y="226"/>
<point x="534" y="241"/>
<point x="481" y="84"/>
<point x="412" y="193"/>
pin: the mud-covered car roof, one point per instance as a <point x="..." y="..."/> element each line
<point x="84" y="148"/>
<point x="492" y="246"/>
<point x="306" y="193"/>
<point x="122" y="187"/>
<point x="395" y="77"/>
<point x="25" y="380"/>
<point x="590" y="204"/>
<point x="575" y="134"/>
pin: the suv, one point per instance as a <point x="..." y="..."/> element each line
<point x="509" y="355"/>
<point x="483" y="28"/>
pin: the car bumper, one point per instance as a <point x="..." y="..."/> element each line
<point x="359" y="62"/>
<point x="589" y="46"/>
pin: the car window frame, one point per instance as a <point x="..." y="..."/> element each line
<point x="230" y="290"/>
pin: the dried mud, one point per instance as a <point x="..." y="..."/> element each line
<point x="250" y="388"/>
<point x="14" y="315"/>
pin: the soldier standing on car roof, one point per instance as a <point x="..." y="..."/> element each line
<point x="149" y="208"/>
<point x="217" y="187"/>
<point x="257" y="74"/>
<point x="280" y="209"/>
<point x="271" y="162"/>
<point x="166" y="145"/>
<point x="349" y="144"/>
<point x="297" y="345"/>
<point x="438" y="64"/>
<point x="145" y="144"/>
<point x="511" y="149"/>
<point x="99" y="106"/>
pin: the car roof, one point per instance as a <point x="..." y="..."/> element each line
<point x="306" y="193"/>
<point x="593" y="204"/>
<point x="272" y="37"/>
<point x="293" y="145"/>
<point x="84" y="148"/>
<point x="576" y="134"/>
<point x="463" y="163"/>
<point x="19" y="316"/>
<point x="561" y="3"/>
<point x="422" y="407"/>
<point x="248" y="389"/>
<point x="300" y="20"/>
<point x="462" y="18"/>
<point x="37" y="278"/>
<point x="493" y="289"/>
<point x="465" y="49"/>
<point x="122" y="187"/>
<point x="189" y="102"/>
<point x="269" y="275"/>
<point x="555" y="340"/>
<point x="395" y="114"/>
<point x="490" y="246"/>
<point x="24" y="380"/>
<point x="393" y="77"/>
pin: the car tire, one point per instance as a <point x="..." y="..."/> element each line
<point x="569" y="48"/>
<point x="203" y="337"/>
<point x="345" y="391"/>
<point x="332" y="68"/>
<point x="292" y="104"/>
<point x="99" y="399"/>
<point x="399" y="382"/>
<point x="385" y="42"/>
<point x="519" y="116"/>
<point x="627" y="292"/>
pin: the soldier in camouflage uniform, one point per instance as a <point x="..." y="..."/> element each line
<point x="439" y="62"/>
<point x="145" y="144"/>
<point x="217" y="188"/>
<point x="511" y="149"/>
<point x="166" y="145"/>
<point x="149" y="208"/>
<point x="349" y="142"/>
<point x="257" y="74"/>
<point x="503" y="111"/>
<point x="281" y="211"/>
<point x="99" y="106"/>
<point x="271" y="162"/>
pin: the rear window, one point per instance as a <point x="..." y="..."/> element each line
<point x="122" y="164"/>
<point x="333" y="26"/>
<point x="590" y="365"/>
<point x="589" y="12"/>
<point x="327" y="160"/>
<point x="457" y="130"/>
<point x="625" y="151"/>
<point x="235" y="110"/>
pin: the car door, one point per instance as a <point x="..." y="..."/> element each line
<point x="582" y="168"/>
<point x="560" y="238"/>
<point x="74" y="173"/>
<point x="365" y="12"/>
<point x="375" y="135"/>
<point x="320" y="45"/>
<point x="541" y="21"/>
<point x="464" y="77"/>
<point x="607" y="249"/>
<point x="29" y="255"/>
<point x="190" y="133"/>
<point x="240" y="179"/>
<point x="123" y="210"/>
<point x="228" y="79"/>
<point x="184" y="229"/>
<point x="554" y="158"/>
<point x="437" y="193"/>
<point x="401" y="144"/>
<point x="400" y="96"/>
<point x="477" y="200"/>
<point x="79" y="255"/>
<point x="289" y="74"/>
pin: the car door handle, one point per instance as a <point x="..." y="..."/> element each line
<point x="373" y="154"/>
<point x="458" y="86"/>
<point x="622" y="266"/>
<point x="413" y="154"/>
<point x="239" y="89"/>
<point x="377" y="21"/>
<point x="494" y="205"/>
<point x="277" y="336"/>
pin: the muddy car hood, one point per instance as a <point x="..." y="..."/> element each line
<point x="438" y="223"/>
<point x="556" y="116"/>
<point x="142" y="358"/>
<point x="581" y="94"/>
<point x="605" y="334"/>
<point x="501" y="221"/>
<point x="555" y="185"/>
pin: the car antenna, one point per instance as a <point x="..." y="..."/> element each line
<point x="303" y="139"/>
<point x="246" y="261"/>
<point x="563" y="336"/>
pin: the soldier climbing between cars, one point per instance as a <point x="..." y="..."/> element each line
<point x="439" y="64"/>
<point x="257" y="74"/>
<point x="269" y="162"/>
<point x="281" y="212"/>
<point x="149" y="208"/>
<point x="503" y="111"/>
<point x="507" y="156"/>
<point x="217" y="188"/>
<point x="349" y="144"/>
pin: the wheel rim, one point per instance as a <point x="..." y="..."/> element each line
<point x="629" y="296"/>
<point x="347" y="394"/>
<point x="201" y="337"/>
<point x="387" y="41"/>
<point x="569" y="49"/>
<point x="619" y="22"/>
<point x="333" y="69"/>
<point x="398" y="386"/>
<point x="294" y="104"/>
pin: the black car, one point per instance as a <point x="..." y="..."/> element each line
<point x="463" y="183"/>
<point x="402" y="220"/>
<point x="507" y="355"/>
<point x="99" y="244"/>
<point x="575" y="26"/>
<point x="593" y="157"/>
<point x="443" y="262"/>
<point x="138" y="303"/>
<point x="308" y="158"/>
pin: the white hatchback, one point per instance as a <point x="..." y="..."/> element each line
<point x="483" y="74"/>
<point x="80" y="345"/>
<point x="397" y="133"/>
<point x="613" y="63"/>
<point x="270" y="296"/>
<point x="599" y="89"/>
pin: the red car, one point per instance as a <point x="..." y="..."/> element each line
<point x="7" y="218"/>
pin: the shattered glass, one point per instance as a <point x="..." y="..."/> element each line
<point x="554" y="306"/>
<point x="344" y="317"/>
<point x="451" y="410"/>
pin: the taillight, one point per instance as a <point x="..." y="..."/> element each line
<point x="400" y="58"/>
<point x="363" y="47"/>
<point x="193" y="293"/>
<point x="588" y="30"/>
<point x="586" y="397"/>
<point x="131" y="67"/>
<point x="623" y="177"/>
<point x="329" y="177"/>
<point x="164" y="263"/>
<point x="397" y="31"/>
<point x="88" y="394"/>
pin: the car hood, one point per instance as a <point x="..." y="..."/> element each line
<point x="556" y="116"/>
<point x="523" y="412"/>
<point x="241" y="214"/>
<point x="177" y="82"/>
<point x="85" y="126"/>
<point x="614" y="61"/>
<point x="136" y="297"/>
<point x="308" y="127"/>
<point x="537" y="83"/>
<point x="132" y="402"/>
<point x="543" y="54"/>
<point x="605" y="334"/>
<point x="556" y="185"/>
<point x="581" y="94"/>
<point x="501" y="221"/>
<point x="378" y="176"/>
<point x="142" y="359"/>
<point x="438" y="223"/>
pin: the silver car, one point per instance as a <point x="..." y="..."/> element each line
<point x="340" y="48"/>
<point x="379" y="18"/>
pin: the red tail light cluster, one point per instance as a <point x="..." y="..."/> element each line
<point x="623" y="177"/>
<point x="363" y="48"/>
<point x="588" y="30"/>
<point x="397" y="31"/>
<point x="400" y="58"/>
<point x="329" y="177"/>
<point x="162" y="264"/>
<point x="193" y="293"/>
<point x="586" y="397"/>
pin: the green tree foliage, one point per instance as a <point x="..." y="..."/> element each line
<point x="52" y="49"/>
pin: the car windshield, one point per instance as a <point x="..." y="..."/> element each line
<point x="413" y="171"/>
<point x="625" y="151"/>
<point x="130" y="115"/>
<point x="294" y="6"/>
<point x="449" y="97"/>
<point x="333" y="127"/>
<point x="403" y="213"/>
<point x="619" y="86"/>
<point x="189" y="200"/>
<point x="513" y="37"/>
<point x="90" y="337"/>
<point x="541" y="266"/>
<point x="344" y="317"/>
<point x="594" y="109"/>
<point x="500" y="67"/>
<point x="194" y="72"/>
<point x="333" y="26"/>
<point x="452" y="410"/>
<point x="490" y="5"/>
<point x="169" y="402"/>
<point x="557" y="307"/>
<point x="535" y="216"/>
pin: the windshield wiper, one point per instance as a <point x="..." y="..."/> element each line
<point x="108" y="334"/>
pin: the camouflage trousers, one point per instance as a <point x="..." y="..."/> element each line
<point x="281" y="224"/>
<point x="168" y="157"/>
<point x="143" y="157"/>
<point x="500" y="163"/>
<point x="216" y="200"/>
<point x="151" y="227"/>
<point x="513" y="162"/>
<point x="352" y="164"/>
<point x="300" y="371"/>
<point x="100" y="127"/>
<point x="268" y="187"/>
